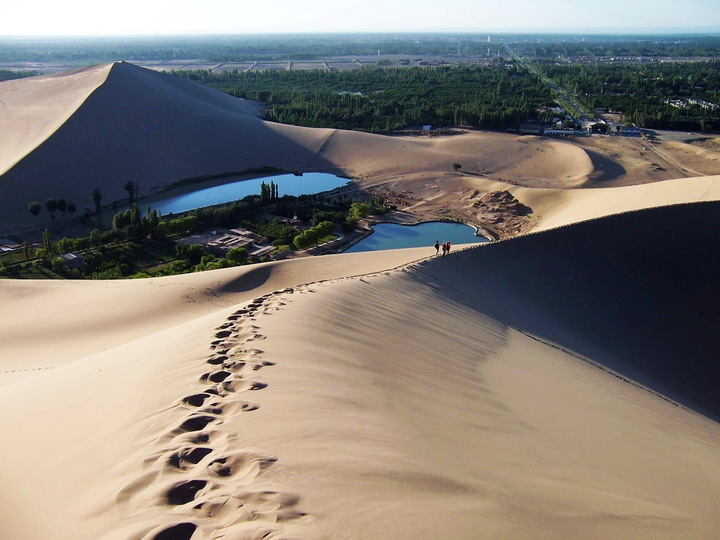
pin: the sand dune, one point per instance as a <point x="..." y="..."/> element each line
<point x="81" y="318"/>
<point x="556" y="208"/>
<point x="148" y="127"/>
<point x="434" y="400"/>
<point x="34" y="108"/>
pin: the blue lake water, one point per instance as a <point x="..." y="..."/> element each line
<point x="393" y="236"/>
<point x="288" y="184"/>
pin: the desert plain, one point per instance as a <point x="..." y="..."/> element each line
<point x="557" y="383"/>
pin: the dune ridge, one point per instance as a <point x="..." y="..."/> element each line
<point x="34" y="108"/>
<point x="435" y="397"/>
<point x="557" y="208"/>
<point x="82" y="318"/>
<point x="649" y="270"/>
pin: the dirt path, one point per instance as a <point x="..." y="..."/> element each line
<point x="672" y="161"/>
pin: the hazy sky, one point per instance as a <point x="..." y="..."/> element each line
<point x="144" y="17"/>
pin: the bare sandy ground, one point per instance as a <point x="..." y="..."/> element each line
<point x="547" y="386"/>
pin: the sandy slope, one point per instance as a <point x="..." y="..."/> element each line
<point x="529" y="160"/>
<point x="402" y="404"/>
<point x="555" y="208"/>
<point x="34" y="108"/>
<point x="81" y="318"/>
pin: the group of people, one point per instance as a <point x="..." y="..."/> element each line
<point x="445" y="247"/>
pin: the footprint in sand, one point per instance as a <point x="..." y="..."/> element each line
<point x="184" y="492"/>
<point x="263" y="364"/>
<point x="196" y="400"/>
<point x="215" y="376"/>
<point x="241" y="463"/>
<point x="184" y="458"/>
<point x="217" y="360"/>
<point x="236" y="366"/>
<point x="242" y="385"/>
<point x="181" y="531"/>
<point x="196" y="423"/>
<point x="215" y="508"/>
<point x="214" y="437"/>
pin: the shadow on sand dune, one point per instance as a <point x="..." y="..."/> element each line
<point x="637" y="292"/>
<point x="250" y="280"/>
<point x="604" y="169"/>
<point x="153" y="128"/>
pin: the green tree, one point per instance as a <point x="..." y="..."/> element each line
<point x="237" y="255"/>
<point x="64" y="245"/>
<point x="51" y="205"/>
<point x="302" y="240"/>
<point x="193" y="254"/>
<point x="267" y="192"/>
<point x="47" y="243"/>
<point x="34" y="208"/>
<point x="62" y="206"/>
<point x="71" y="208"/>
<point x="95" y="238"/>
<point x="152" y="221"/>
<point x="313" y="235"/>
<point x="97" y="199"/>
<point x="456" y="166"/>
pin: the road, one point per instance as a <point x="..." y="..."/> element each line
<point x="569" y="101"/>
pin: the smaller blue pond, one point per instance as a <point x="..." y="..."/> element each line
<point x="288" y="184"/>
<point x="392" y="236"/>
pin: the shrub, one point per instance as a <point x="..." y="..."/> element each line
<point x="237" y="255"/>
<point x="312" y="235"/>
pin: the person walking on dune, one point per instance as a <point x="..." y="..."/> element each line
<point x="437" y="247"/>
<point x="447" y="247"/>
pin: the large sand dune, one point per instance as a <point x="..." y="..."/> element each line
<point x="434" y="400"/>
<point x="140" y="125"/>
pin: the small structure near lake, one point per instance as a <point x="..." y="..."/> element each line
<point x="221" y="241"/>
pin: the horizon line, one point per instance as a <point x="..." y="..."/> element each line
<point x="629" y="31"/>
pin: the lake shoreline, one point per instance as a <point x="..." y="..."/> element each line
<point x="429" y="238"/>
<point x="218" y="182"/>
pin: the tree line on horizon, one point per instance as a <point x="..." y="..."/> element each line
<point x="386" y="99"/>
<point x="649" y="46"/>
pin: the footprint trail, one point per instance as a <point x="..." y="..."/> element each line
<point x="205" y="487"/>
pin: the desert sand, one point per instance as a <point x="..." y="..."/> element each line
<point x="558" y="384"/>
